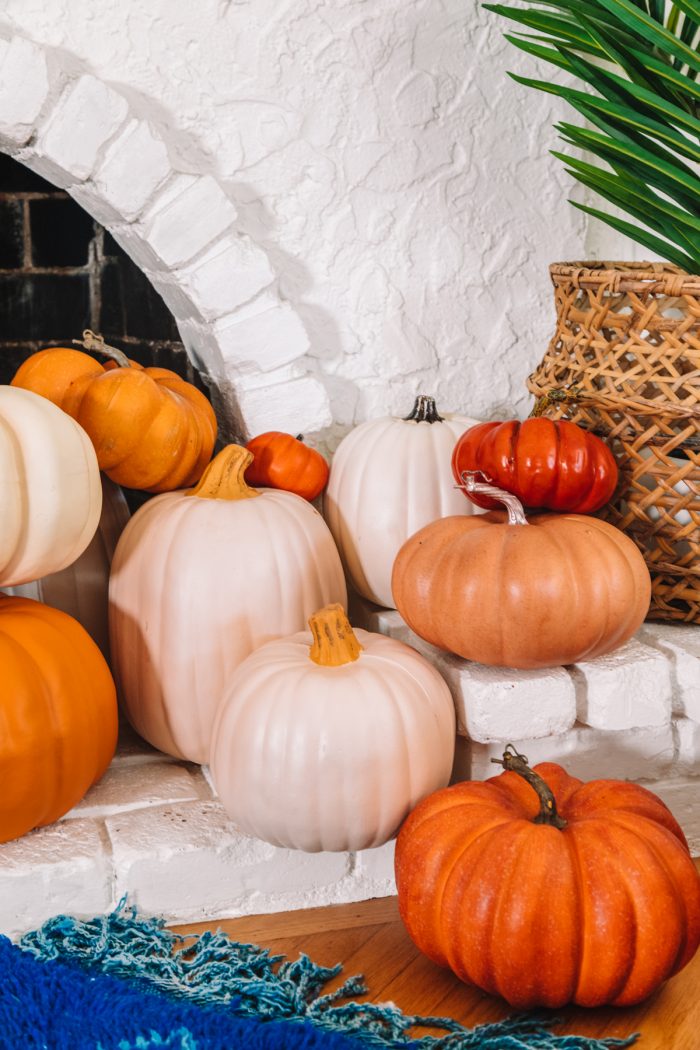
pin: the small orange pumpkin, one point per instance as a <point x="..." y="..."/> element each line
<point x="571" y="892"/>
<point x="281" y="461"/>
<point x="527" y="592"/>
<point x="58" y="710"/>
<point x="151" y="429"/>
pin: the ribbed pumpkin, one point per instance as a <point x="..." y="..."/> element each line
<point x="545" y="463"/>
<point x="390" y="477"/>
<point x="327" y="739"/>
<point x="151" y="429"/>
<point x="81" y="588"/>
<point x="281" y="461"/>
<point x="200" y="578"/>
<point x="50" y="483"/>
<point x="58" y="710"/>
<point x="527" y="592"/>
<point x="545" y="890"/>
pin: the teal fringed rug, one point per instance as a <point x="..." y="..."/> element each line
<point x="122" y="982"/>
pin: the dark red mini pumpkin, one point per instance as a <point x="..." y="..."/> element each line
<point x="571" y="892"/>
<point x="552" y="464"/>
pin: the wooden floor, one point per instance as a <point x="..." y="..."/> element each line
<point x="368" y="938"/>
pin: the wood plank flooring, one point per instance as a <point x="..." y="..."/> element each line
<point x="368" y="938"/>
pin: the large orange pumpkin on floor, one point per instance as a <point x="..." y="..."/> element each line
<point x="570" y="892"/>
<point x="545" y="463"/>
<point x="527" y="592"/>
<point x="151" y="429"/>
<point x="58" y="711"/>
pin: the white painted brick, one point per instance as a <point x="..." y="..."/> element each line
<point x="86" y="116"/>
<point x="62" y="868"/>
<point x="194" y="215"/>
<point x="24" y="88"/>
<point x="681" y="644"/>
<point x="202" y="347"/>
<point x="687" y="737"/>
<point x="130" y="238"/>
<point x="297" y="406"/>
<point x="176" y="297"/>
<point x="190" y="861"/>
<point x="628" y="687"/>
<point x="376" y="865"/>
<point x="87" y="197"/>
<point x="682" y="796"/>
<point x="135" y="164"/>
<point x="587" y="753"/>
<point x="491" y="703"/>
<point x="129" y="786"/>
<point x="226" y="276"/>
<point x="133" y="749"/>
<point x="264" y="342"/>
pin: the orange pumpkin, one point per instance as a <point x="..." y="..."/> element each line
<point x="571" y="892"/>
<point x="281" y="461"/>
<point x="58" y="711"/>
<point x="539" y="592"/>
<point x="151" y="429"/>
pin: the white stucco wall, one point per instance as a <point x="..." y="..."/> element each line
<point x="376" y="151"/>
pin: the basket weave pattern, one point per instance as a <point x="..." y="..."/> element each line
<point x="625" y="363"/>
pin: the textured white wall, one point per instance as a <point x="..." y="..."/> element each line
<point x="397" y="180"/>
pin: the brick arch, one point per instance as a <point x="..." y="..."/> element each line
<point x="87" y="137"/>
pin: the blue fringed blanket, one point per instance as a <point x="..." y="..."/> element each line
<point x="121" y="982"/>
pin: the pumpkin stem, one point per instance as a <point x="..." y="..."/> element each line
<point x="516" y="513"/>
<point x="553" y="397"/>
<point x="424" y="411"/>
<point x="334" y="642"/>
<point x="96" y="343"/>
<point x="517" y="763"/>
<point x="224" y="477"/>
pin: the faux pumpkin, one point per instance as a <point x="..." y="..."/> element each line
<point x="546" y="890"/>
<point x="51" y="494"/>
<point x="389" y="477"/>
<point x="545" y="463"/>
<point x="81" y="588"/>
<point x="281" y="461"/>
<point x="151" y="429"/>
<point x="199" y="579"/>
<point x="325" y="740"/>
<point x="552" y="589"/>
<point x="58" y="710"/>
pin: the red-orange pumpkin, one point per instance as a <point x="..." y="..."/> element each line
<point x="538" y="592"/>
<point x="151" y="429"/>
<point x="549" y="464"/>
<point x="58" y="712"/>
<point x="587" y="894"/>
<point x="281" y="461"/>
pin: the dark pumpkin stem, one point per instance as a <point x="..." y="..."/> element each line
<point x="96" y="344"/>
<point x="554" y="397"/>
<point x="514" y="762"/>
<point x="424" y="411"/>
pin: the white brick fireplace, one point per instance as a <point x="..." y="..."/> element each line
<point x="342" y="204"/>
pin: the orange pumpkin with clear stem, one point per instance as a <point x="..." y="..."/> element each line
<point x="151" y="429"/>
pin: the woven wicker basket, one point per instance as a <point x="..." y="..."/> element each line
<point x="625" y="363"/>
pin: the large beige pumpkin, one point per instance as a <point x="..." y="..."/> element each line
<point x="200" y="578"/>
<point x="326" y="740"/>
<point x="81" y="588"/>
<point x="50" y="485"/>
<point x="390" y="477"/>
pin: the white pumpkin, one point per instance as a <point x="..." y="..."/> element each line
<point x="388" y="478"/>
<point x="50" y="484"/>
<point x="199" y="579"/>
<point x="326" y="740"/>
<point x="81" y="588"/>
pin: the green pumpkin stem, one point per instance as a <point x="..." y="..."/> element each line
<point x="424" y="411"/>
<point x="514" y="762"/>
<point x="96" y="344"/>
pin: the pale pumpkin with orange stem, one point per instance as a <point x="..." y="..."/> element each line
<point x="327" y="739"/>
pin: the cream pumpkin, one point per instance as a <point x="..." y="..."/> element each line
<point x="81" y="588"/>
<point x="50" y="484"/>
<point x="389" y="477"/>
<point x="326" y="740"/>
<point x="200" y="578"/>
